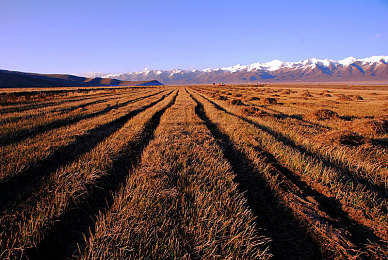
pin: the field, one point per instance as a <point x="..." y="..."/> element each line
<point x="194" y="172"/>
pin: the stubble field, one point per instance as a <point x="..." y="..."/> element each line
<point x="194" y="172"/>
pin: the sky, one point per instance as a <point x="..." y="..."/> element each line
<point x="112" y="36"/>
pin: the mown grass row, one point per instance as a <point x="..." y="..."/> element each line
<point x="15" y="108"/>
<point x="61" y="108"/>
<point x="25" y="228"/>
<point x="368" y="163"/>
<point x="19" y="157"/>
<point x="181" y="202"/>
<point x="281" y="163"/>
<point x="56" y="149"/>
<point x="288" y="238"/>
<point x="364" y="166"/>
<point x="19" y="130"/>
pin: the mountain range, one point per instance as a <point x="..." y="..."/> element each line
<point x="374" y="69"/>
<point x="9" y="79"/>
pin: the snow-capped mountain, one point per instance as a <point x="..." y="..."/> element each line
<point x="374" y="68"/>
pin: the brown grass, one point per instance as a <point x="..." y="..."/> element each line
<point x="193" y="207"/>
<point x="270" y="100"/>
<point x="347" y="154"/>
<point x="322" y="114"/>
<point x="134" y="173"/>
<point x="236" y="102"/>
<point x="371" y="126"/>
<point x="344" y="137"/>
<point x="253" y="111"/>
<point x="343" y="97"/>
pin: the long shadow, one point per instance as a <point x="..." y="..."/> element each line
<point x="382" y="142"/>
<point x="308" y="124"/>
<point x="65" y="110"/>
<point x="78" y="222"/>
<point x="36" y="105"/>
<point x="70" y="109"/>
<point x="31" y="132"/>
<point x="22" y="185"/>
<point x="289" y="239"/>
<point x="360" y="235"/>
<point x="380" y="190"/>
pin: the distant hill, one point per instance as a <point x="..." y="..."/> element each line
<point x="12" y="79"/>
<point x="370" y="69"/>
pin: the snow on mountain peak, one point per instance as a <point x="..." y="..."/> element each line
<point x="308" y="63"/>
<point x="270" y="66"/>
<point x="347" y="61"/>
<point x="273" y="65"/>
<point x="235" y="68"/>
<point x="374" y="59"/>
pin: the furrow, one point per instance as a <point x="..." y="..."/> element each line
<point x="63" y="108"/>
<point x="346" y="174"/>
<point x="36" y="105"/>
<point x="20" y="186"/>
<point x="73" y="227"/>
<point x="22" y="134"/>
<point x="377" y="196"/>
<point x="193" y="209"/>
<point x="17" y="158"/>
<point x="324" y="214"/>
<point x="289" y="238"/>
<point x="29" y="229"/>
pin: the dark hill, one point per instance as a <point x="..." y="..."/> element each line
<point x="13" y="79"/>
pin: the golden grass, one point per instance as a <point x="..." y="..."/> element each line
<point x="30" y="124"/>
<point x="237" y="172"/>
<point x="18" y="157"/>
<point x="186" y="187"/>
<point x="26" y="225"/>
<point x="355" y="188"/>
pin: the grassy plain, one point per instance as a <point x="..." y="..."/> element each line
<point x="195" y="172"/>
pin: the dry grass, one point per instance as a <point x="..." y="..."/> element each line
<point x="186" y="187"/>
<point x="268" y="100"/>
<point x="218" y="172"/>
<point x="28" y="223"/>
<point x="361" y="187"/>
<point x="28" y="125"/>
<point x="371" y="127"/>
<point x="344" y="137"/>
<point x="17" y="158"/>
<point x="322" y="114"/>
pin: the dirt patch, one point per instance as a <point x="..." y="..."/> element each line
<point x="371" y="126"/>
<point x="306" y="94"/>
<point x="237" y="102"/>
<point x="344" y="98"/>
<point x="322" y="114"/>
<point x="383" y="117"/>
<point x="253" y="111"/>
<point x="330" y="102"/>
<point x="357" y="97"/>
<point x="221" y="97"/>
<point x="270" y="101"/>
<point x="343" y="137"/>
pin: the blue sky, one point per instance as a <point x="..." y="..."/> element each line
<point x="75" y="36"/>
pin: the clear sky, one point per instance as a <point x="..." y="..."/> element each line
<point x="75" y="36"/>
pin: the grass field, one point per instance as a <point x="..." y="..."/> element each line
<point x="194" y="172"/>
